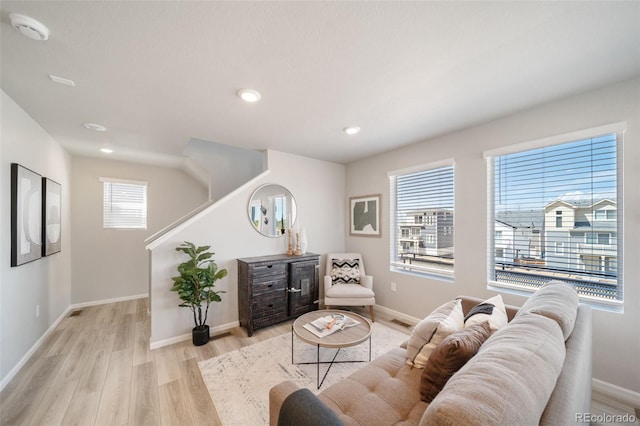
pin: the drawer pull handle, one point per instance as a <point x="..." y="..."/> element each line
<point x="269" y="266"/>
<point x="270" y="285"/>
<point x="271" y="305"/>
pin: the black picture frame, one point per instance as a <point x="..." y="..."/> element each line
<point x="26" y="215"/>
<point x="51" y="217"/>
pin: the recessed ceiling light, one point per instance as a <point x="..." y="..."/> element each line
<point x="351" y="130"/>
<point x="61" y="80"/>
<point x="249" y="95"/>
<point x="106" y="150"/>
<point x="29" y="27"/>
<point x="94" y="126"/>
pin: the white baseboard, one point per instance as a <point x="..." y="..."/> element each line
<point x="614" y="393"/>
<point x="6" y="379"/>
<point x="104" y="302"/>
<point x="398" y="315"/>
<point x="177" y="339"/>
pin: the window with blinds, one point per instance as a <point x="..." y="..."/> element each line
<point x="124" y="204"/>
<point x="555" y="215"/>
<point x="422" y="220"/>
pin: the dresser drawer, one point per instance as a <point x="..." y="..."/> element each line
<point x="269" y="305"/>
<point x="264" y="285"/>
<point x="267" y="268"/>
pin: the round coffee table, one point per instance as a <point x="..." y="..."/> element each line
<point x="347" y="337"/>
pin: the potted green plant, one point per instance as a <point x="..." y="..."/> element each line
<point x="195" y="286"/>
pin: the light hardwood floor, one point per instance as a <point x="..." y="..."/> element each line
<point x="96" y="368"/>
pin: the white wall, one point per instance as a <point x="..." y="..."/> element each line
<point x="108" y="263"/>
<point x="616" y="336"/>
<point x="228" y="166"/>
<point x="45" y="282"/>
<point x="318" y="188"/>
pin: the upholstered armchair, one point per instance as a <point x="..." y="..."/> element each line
<point x="346" y="283"/>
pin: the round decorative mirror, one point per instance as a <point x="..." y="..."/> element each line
<point x="272" y="210"/>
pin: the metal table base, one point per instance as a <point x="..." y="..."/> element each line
<point x="318" y="362"/>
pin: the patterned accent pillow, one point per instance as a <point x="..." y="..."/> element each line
<point x="345" y="271"/>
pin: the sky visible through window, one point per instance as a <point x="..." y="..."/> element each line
<point x="577" y="172"/>
<point x="577" y="242"/>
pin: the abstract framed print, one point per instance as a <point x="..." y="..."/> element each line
<point x="26" y="215"/>
<point x="51" y="217"/>
<point x="364" y="214"/>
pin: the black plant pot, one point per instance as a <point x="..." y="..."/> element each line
<point x="200" y="335"/>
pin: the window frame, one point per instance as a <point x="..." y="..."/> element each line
<point x="395" y="263"/>
<point x="130" y="227"/>
<point x="615" y="128"/>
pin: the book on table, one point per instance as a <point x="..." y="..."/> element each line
<point x="329" y="324"/>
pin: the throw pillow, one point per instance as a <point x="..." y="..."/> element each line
<point x="345" y="271"/>
<point x="555" y="300"/>
<point x="450" y="355"/>
<point x="508" y="382"/>
<point x="432" y="330"/>
<point x="491" y="310"/>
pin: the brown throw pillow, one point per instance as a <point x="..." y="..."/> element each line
<point x="449" y="356"/>
<point x="432" y="330"/>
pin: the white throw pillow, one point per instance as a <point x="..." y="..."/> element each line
<point x="431" y="331"/>
<point x="497" y="318"/>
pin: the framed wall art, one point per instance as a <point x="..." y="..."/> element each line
<point x="364" y="213"/>
<point x="26" y="215"/>
<point x="51" y="217"/>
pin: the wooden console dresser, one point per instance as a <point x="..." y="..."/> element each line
<point x="276" y="288"/>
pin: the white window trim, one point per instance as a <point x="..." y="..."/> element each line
<point x="129" y="181"/>
<point x="618" y="128"/>
<point x="104" y="180"/>
<point x="418" y="270"/>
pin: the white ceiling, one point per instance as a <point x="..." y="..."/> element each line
<point x="159" y="73"/>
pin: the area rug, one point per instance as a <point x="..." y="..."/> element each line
<point x="239" y="381"/>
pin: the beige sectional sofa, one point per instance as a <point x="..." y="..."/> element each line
<point x="535" y="370"/>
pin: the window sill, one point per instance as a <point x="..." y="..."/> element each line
<point x="434" y="274"/>
<point x="595" y="303"/>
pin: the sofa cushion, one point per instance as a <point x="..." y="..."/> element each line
<point x="345" y="271"/>
<point x="450" y="355"/>
<point x="491" y="310"/>
<point x="509" y="381"/>
<point x="432" y="330"/>
<point x="555" y="300"/>
<point x="387" y="391"/>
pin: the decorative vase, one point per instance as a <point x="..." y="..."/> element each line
<point x="303" y="241"/>
<point x="200" y="335"/>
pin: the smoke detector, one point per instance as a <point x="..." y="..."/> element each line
<point x="29" y="27"/>
<point x="95" y="127"/>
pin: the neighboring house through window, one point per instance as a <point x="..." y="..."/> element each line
<point x="568" y="189"/>
<point x="422" y="220"/>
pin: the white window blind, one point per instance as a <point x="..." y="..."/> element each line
<point x="124" y="204"/>
<point x="562" y="203"/>
<point x="422" y="221"/>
